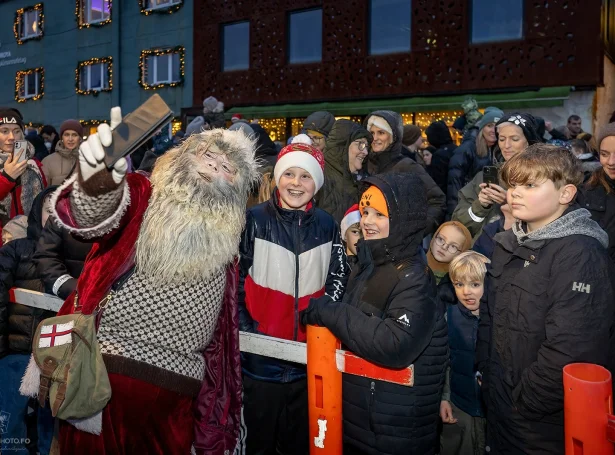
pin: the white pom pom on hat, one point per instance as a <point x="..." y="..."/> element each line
<point x="302" y="139"/>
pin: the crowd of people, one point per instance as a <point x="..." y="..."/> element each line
<point x="488" y="266"/>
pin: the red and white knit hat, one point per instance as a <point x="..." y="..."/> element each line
<point x="352" y="216"/>
<point x="301" y="153"/>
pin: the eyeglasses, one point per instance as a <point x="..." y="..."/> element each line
<point x="316" y="139"/>
<point x="226" y="167"/>
<point x="451" y="248"/>
<point x="361" y="145"/>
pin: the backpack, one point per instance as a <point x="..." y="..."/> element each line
<point x="67" y="367"/>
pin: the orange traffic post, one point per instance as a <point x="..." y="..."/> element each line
<point x="324" y="392"/>
<point x="588" y="405"/>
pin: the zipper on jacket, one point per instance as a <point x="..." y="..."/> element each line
<point x="296" y="248"/>
<point x="372" y="390"/>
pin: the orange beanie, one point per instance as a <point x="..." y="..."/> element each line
<point x="374" y="198"/>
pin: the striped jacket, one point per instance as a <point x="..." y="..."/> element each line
<point x="287" y="257"/>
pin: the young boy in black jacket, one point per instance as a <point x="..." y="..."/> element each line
<point x="550" y="303"/>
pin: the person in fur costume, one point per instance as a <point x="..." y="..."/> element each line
<point x="169" y="335"/>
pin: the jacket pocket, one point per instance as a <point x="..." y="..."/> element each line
<point x="530" y="303"/>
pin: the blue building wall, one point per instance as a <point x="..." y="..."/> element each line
<point x="64" y="45"/>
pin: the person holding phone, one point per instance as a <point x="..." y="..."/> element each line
<point x="21" y="176"/>
<point x="480" y="200"/>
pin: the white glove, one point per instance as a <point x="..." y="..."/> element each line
<point x="92" y="154"/>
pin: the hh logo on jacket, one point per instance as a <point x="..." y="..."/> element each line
<point x="581" y="287"/>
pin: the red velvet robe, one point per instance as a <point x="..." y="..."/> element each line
<point x="153" y="420"/>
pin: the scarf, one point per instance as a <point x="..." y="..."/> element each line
<point x="67" y="153"/>
<point x="31" y="183"/>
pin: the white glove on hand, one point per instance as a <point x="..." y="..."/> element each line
<point x="92" y="154"/>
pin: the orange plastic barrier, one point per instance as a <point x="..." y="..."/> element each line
<point x="588" y="408"/>
<point x="324" y="392"/>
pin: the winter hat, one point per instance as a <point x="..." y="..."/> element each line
<point x="381" y="123"/>
<point x="195" y="126"/>
<point x="491" y="115"/>
<point x="606" y="131"/>
<point x="71" y="125"/>
<point x="321" y="122"/>
<point x="374" y="198"/>
<point x="301" y="154"/>
<point x="16" y="228"/>
<point x="352" y="216"/>
<point x="243" y="126"/>
<point x="236" y="117"/>
<point x="10" y="115"/>
<point x="526" y="122"/>
<point x="411" y="134"/>
<point x="212" y="105"/>
<point x="460" y="123"/>
<point x="442" y="267"/>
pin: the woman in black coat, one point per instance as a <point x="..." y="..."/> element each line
<point x="598" y="194"/>
<point x="390" y="315"/>
<point x="342" y="176"/>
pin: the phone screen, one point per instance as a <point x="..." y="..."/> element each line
<point x="20" y="150"/>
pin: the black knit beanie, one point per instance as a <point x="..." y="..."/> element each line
<point x="526" y="122"/>
<point x="9" y="115"/>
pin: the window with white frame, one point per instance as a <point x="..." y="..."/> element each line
<point x="29" y="23"/>
<point x="95" y="11"/>
<point x="155" y="4"/>
<point x="29" y="84"/>
<point x="162" y="69"/>
<point x="94" y="77"/>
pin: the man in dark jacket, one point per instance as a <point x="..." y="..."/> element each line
<point x="59" y="258"/>
<point x="341" y="188"/>
<point x="391" y="160"/>
<point x="17" y="324"/>
<point x="439" y="136"/>
<point x="550" y="303"/>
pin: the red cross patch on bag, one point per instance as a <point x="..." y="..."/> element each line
<point x="55" y="334"/>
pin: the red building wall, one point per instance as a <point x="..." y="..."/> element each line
<point x="561" y="46"/>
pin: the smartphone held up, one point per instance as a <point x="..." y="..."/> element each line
<point x="20" y="151"/>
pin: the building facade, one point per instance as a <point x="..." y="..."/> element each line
<point x="63" y="59"/>
<point x="285" y="59"/>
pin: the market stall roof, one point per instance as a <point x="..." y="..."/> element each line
<point x="544" y="97"/>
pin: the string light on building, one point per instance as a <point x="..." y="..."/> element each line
<point x="176" y="125"/>
<point x="37" y="27"/>
<point x="80" y="14"/>
<point x="172" y="8"/>
<point x="276" y="127"/>
<point x="155" y="53"/>
<point x="296" y="124"/>
<point x="20" y="89"/>
<point x="94" y="61"/>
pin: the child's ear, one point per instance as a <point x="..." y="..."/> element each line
<point x="567" y="194"/>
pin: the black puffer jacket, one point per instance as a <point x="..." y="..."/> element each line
<point x="341" y="188"/>
<point x="549" y="302"/>
<point x="17" y="269"/>
<point x="439" y="136"/>
<point x="60" y="256"/>
<point x="462" y="168"/>
<point x="602" y="207"/>
<point x="391" y="315"/>
<point x="392" y="161"/>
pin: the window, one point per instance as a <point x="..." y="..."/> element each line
<point x="389" y="26"/>
<point x="496" y="20"/>
<point x="94" y="12"/>
<point x="305" y="40"/>
<point x="236" y="46"/>
<point x="28" y="23"/>
<point x="162" y="67"/>
<point x="94" y="75"/>
<point x="29" y="84"/>
<point x="155" y="4"/>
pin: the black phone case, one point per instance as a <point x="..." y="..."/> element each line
<point x="137" y="128"/>
<point x="490" y="175"/>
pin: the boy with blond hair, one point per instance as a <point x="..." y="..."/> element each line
<point x="461" y="411"/>
<point x="550" y="302"/>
